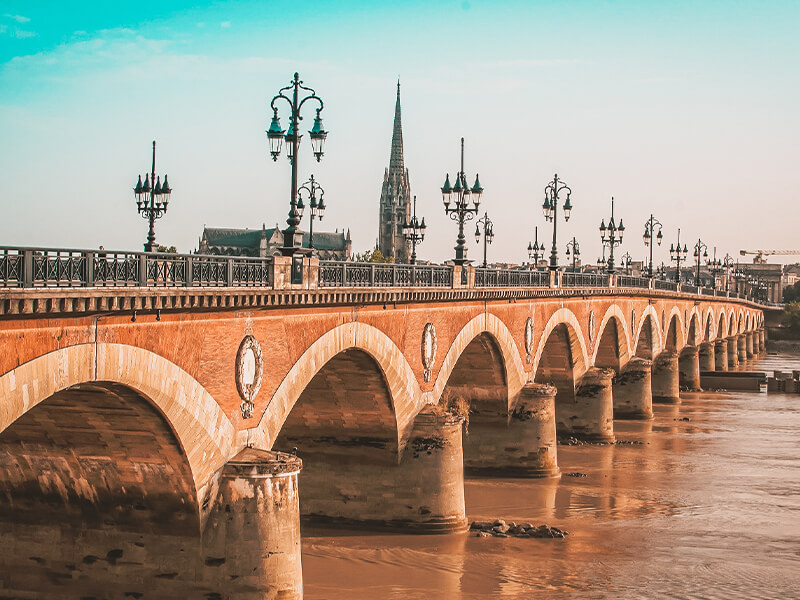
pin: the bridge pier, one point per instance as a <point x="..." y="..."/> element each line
<point x="251" y="543"/>
<point x="720" y="355"/>
<point x="632" y="392"/>
<point x="523" y="444"/>
<point x="666" y="378"/>
<point x="356" y="483"/>
<point x="733" y="352"/>
<point x="749" y="349"/>
<point x="762" y="341"/>
<point x="705" y="356"/>
<point x="741" y="347"/>
<point x="591" y="415"/>
<point x="689" y="368"/>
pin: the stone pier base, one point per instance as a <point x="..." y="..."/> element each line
<point x="523" y="444"/>
<point x="706" y="356"/>
<point x="749" y="348"/>
<point x="741" y="347"/>
<point x="666" y="378"/>
<point x="591" y="415"/>
<point x="358" y="483"/>
<point x="251" y="543"/>
<point x="689" y="368"/>
<point x="720" y="355"/>
<point x="632" y="392"/>
<point x="733" y="352"/>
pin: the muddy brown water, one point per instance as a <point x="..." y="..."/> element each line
<point x="707" y="508"/>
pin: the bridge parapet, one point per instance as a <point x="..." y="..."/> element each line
<point x="47" y="280"/>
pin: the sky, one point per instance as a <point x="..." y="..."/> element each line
<point x="689" y="111"/>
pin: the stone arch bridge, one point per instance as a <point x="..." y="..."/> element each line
<point x="167" y="427"/>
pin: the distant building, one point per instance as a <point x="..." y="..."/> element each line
<point x="267" y="242"/>
<point x="395" y="204"/>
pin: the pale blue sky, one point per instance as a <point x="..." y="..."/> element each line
<point x="688" y="109"/>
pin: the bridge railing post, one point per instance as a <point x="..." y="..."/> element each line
<point x="554" y="279"/>
<point x="27" y="268"/>
<point x="188" y="277"/>
<point x="313" y="272"/>
<point x="143" y="270"/>
<point x="372" y="275"/>
<point x="229" y="273"/>
<point x="88" y="270"/>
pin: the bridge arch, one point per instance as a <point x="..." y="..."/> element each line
<point x="722" y="324"/>
<point x="202" y="429"/>
<point x="709" y="331"/>
<point x="649" y="339"/>
<point x="674" y="337"/>
<point x="404" y="390"/>
<point x="740" y="328"/>
<point x="613" y="347"/>
<point x="574" y="335"/>
<point x="731" y="323"/>
<point x="694" y="334"/>
<point x="483" y="324"/>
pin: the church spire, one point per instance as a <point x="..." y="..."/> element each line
<point x="396" y="157"/>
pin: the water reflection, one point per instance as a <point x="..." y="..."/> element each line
<point x="699" y="508"/>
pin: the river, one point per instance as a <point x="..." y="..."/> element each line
<point x="703" y="503"/>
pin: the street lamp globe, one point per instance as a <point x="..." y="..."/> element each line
<point x="318" y="135"/>
<point x="275" y="136"/>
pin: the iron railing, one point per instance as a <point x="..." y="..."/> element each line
<point x="485" y="277"/>
<point x="44" y="267"/>
<point x="50" y="268"/>
<point x="339" y="273"/>
<point x="634" y="282"/>
<point x="569" y="279"/>
<point x="670" y="286"/>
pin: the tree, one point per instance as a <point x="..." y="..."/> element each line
<point x="373" y="256"/>
<point x="170" y="250"/>
<point x="791" y="318"/>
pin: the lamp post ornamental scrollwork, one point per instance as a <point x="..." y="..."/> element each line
<point x="552" y="192"/>
<point x="488" y="233"/>
<point x="649" y="232"/>
<point x="291" y="243"/>
<point x="678" y="256"/>
<point x="414" y="232"/>
<point x="611" y="236"/>
<point x="460" y="193"/>
<point x="152" y="199"/>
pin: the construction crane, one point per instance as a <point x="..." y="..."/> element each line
<point x="758" y="258"/>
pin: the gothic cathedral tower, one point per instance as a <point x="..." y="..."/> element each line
<point x="395" y="205"/>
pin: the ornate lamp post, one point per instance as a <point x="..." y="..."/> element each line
<point x="310" y="189"/>
<point x="727" y="264"/>
<point x="611" y="236"/>
<point x="649" y="231"/>
<point x="488" y="233"/>
<point x="414" y="232"/>
<point x="550" y="210"/>
<point x="152" y="201"/>
<point x="677" y="256"/>
<point x="715" y="267"/>
<point x="576" y="252"/>
<point x="626" y="262"/>
<point x="460" y="193"/>
<point x="291" y="236"/>
<point x="536" y="249"/>
<point x="699" y="249"/>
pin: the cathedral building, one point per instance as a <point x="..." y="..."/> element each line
<point x="395" y="205"/>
